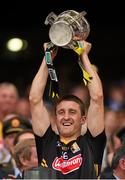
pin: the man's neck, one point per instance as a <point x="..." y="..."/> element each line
<point x="66" y="140"/>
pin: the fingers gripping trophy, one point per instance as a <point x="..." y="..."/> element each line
<point x="67" y="30"/>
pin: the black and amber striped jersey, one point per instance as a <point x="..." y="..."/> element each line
<point x="79" y="159"/>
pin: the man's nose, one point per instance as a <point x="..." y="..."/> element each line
<point x="66" y="115"/>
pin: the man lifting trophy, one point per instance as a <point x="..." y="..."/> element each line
<point x="67" y="30"/>
<point x="64" y="149"/>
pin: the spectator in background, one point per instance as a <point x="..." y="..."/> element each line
<point x="25" y="155"/>
<point x="23" y="108"/>
<point x="26" y="134"/>
<point x="121" y="118"/>
<point x="115" y="97"/>
<point x="114" y="141"/>
<point x="82" y="92"/>
<point x="117" y="170"/>
<point x="115" y="130"/>
<point x="121" y="134"/>
<point x="8" y="99"/>
<point x="11" y="127"/>
<point x="112" y="122"/>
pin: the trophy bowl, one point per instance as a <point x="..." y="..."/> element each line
<point x="67" y="27"/>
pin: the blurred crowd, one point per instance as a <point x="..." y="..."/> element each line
<point x="17" y="144"/>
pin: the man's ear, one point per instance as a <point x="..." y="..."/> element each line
<point x="84" y="125"/>
<point x="83" y="120"/>
<point x="122" y="163"/>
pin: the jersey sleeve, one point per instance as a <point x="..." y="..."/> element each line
<point x="97" y="145"/>
<point x="41" y="143"/>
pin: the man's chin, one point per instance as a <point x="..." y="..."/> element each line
<point x="66" y="133"/>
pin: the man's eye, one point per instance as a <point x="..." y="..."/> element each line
<point x="72" y="112"/>
<point x="60" y="112"/>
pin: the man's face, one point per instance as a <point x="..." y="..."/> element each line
<point x="69" y="119"/>
<point x="8" y="99"/>
<point x="9" y="139"/>
<point x="33" y="162"/>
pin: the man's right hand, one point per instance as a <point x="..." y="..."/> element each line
<point x="52" y="48"/>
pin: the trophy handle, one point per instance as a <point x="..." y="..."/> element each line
<point x="83" y="13"/>
<point x="50" y="18"/>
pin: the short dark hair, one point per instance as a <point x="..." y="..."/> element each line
<point x="120" y="153"/>
<point x="72" y="98"/>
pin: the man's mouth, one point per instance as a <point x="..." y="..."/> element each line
<point x="67" y="124"/>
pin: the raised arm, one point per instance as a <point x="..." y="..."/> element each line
<point x="39" y="113"/>
<point x="95" y="116"/>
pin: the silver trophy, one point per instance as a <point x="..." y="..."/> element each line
<point x="67" y="28"/>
